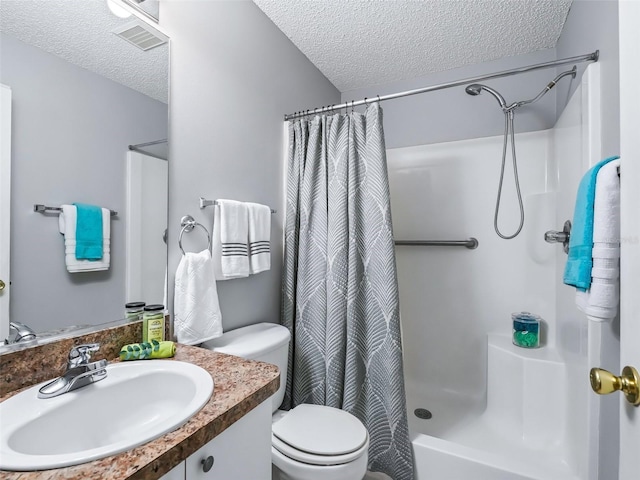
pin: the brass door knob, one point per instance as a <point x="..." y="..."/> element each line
<point x="604" y="382"/>
<point x="2" y="285"/>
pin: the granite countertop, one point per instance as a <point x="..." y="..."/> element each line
<point x="239" y="386"/>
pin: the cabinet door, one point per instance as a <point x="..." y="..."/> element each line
<point x="242" y="451"/>
<point x="176" y="473"/>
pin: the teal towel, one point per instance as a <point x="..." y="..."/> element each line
<point x="88" y="232"/>
<point x="577" y="272"/>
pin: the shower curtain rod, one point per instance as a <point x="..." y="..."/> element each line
<point x="591" y="57"/>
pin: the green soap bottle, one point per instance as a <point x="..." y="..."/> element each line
<point x="153" y="323"/>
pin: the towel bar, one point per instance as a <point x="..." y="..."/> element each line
<point x="40" y="208"/>
<point x="207" y="203"/>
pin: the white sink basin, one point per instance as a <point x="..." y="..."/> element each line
<point x="137" y="402"/>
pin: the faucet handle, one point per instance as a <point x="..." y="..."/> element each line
<point x="81" y="354"/>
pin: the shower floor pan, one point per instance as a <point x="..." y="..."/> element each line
<point x="504" y="441"/>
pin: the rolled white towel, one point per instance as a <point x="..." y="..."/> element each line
<point x="600" y="302"/>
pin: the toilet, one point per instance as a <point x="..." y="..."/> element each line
<point x="309" y="442"/>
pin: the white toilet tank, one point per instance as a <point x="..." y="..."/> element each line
<point x="266" y="342"/>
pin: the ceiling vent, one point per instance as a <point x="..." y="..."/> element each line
<point x="140" y="35"/>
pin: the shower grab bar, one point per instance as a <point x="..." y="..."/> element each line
<point x="207" y="203"/>
<point x="40" y="208"/>
<point x="471" y="243"/>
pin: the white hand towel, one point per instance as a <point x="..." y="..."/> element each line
<point x="196" y="308"/>
<point x="600" y="302"/>
<point x="259" y="237"/>
<point x="67" y="226"/>
<point x="230" y="235"/>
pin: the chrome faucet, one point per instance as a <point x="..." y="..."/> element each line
<point x="19" y="332"/>
<point x="80" y="372"/>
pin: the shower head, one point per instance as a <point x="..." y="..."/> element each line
<point x="476" y="89"/>
<point x="473" y="89"/>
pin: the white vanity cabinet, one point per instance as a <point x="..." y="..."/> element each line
<point x="242" y="451"/>
<point x="176" y="473"/>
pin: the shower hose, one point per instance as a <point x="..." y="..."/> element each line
<point x="508" y="127"/>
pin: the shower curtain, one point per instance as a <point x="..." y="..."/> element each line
<point x="340" y="291"/>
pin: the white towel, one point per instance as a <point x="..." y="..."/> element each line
<point x="67" y="226"/>
<point x="600" y="302"/>
<point x="259" y="237"/>
<point x="230" y="236"/>
<point x="197" y="315"/>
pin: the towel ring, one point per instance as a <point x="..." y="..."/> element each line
<point x="188" y="223"/>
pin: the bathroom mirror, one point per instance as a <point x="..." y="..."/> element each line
<point x="83" y="90"/>
<point x="149" y="8"/>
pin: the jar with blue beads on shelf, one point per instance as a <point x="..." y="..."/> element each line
<point x="526" y="329"/>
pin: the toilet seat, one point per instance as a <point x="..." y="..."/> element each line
<point x="320" y="435"/>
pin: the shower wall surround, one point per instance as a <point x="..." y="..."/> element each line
<point x="451" y="298"/>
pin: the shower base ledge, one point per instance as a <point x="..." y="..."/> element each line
<point x="526" y="393"/>
<point x="446" y="459"/>
<point x="519" y="435"/>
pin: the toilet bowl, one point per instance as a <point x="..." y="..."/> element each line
<point x="313" y="442"/>
<point x="308" y="442"/>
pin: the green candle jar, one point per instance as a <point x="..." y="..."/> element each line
<point x="153" y="323"/>
<point x="526" y="330"/>
<point x="133" y="310"/>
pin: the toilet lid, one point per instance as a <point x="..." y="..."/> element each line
<point x="311" y="459"/>
<point x="321" y="430"/>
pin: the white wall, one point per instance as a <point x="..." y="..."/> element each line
<point x="233" y="77"/>
<point x="630" y="227"/>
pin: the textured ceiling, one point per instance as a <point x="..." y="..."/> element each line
<point x="79" y="31"/>
<point x="358" y="43"/>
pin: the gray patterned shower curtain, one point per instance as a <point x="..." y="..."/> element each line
<point x="340" y="290"/>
